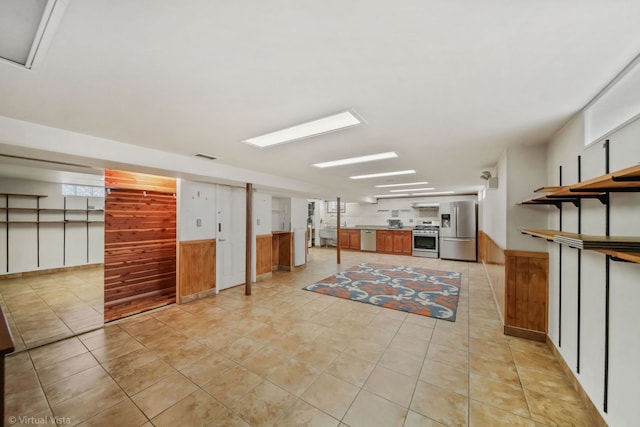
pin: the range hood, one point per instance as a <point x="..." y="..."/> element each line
<point x="425" y="205"/>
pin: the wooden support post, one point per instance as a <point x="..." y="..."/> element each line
<point x="338" y="232"/>
<point x="249" y="240"/>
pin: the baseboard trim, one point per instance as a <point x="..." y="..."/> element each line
<point x="529" y="334"/>
<point x="264" y="276"/>
<point x="198" y="295"/>
<point x="591" y="408"/>
<point x="49" y="271"/>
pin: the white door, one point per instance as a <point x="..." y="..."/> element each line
<point x="230" y="239"/>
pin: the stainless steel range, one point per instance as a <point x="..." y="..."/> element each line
<point x="425" y="239"/>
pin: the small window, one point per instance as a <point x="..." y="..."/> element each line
<point x="82" y="190"/>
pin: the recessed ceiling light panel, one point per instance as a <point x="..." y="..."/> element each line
<point x="402" y="185"/>
<point x="378" y="175"/>
<point x="391" y="195"/>
<point x="353" y="160"/>
<point x="27" y="29"/>
<point x="436" y="193"/>
<point x="410" y="190"/>
<point x="321" y="126"/>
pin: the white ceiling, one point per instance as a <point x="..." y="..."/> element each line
<point x="446" y="84"/>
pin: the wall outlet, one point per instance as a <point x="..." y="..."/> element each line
<point x="258" y="221"/>
<point x="198" y="222"/>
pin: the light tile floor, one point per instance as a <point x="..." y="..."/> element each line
<point x="44" y="308"/>
<point x="289" y="357"/>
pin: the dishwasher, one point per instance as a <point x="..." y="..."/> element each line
<point x="368" y="240"/>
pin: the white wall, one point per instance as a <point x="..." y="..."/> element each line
<point x="262" y="207"/>
<point x="526" y="170"/>
<point x="60" y="245"/>
<point x="494" y="206"/>
<point x="624" y="344"/>
<point x="196" y="210"/>
<point x="378" y="213"/>
<point x="520" y="170"/>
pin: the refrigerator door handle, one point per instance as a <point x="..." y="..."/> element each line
<point x="457" y="230"/>
<point x="455" y="239"/>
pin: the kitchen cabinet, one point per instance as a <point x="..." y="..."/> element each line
<point x="394" y="241"/>
<point x="350" y="238"/>
<point x="384" y="241"/>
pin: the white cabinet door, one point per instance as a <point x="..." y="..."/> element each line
<point x="231" y="232"/>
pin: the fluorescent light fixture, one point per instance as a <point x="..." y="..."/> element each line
<point x="391" y="195"/>
<point x="378" y="175"/>
<point x="328" y="124"/>
<point x="433" y="193"/>
<point x="401" y="185"/>
<point x="411" y="190"/>
<point x="361" y="159"/>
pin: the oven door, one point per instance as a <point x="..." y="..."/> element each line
<point x="425" y="243"/>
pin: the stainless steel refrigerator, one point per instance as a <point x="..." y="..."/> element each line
<point x="458" y="230"/>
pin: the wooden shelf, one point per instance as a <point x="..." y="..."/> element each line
<point x="546" y="200"/>
<point x="623" y="180"/>
<point x="51" y="222"/>
<point x="543" y="234"/>
<point x="564" y="194"/>
<point x="552" y="235"/>
<point x="623" y="256"/>
<point x="50" y="210"/>
<point x="23" y="195"/>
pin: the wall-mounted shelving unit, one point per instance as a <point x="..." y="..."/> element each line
<point x="37" y="210"/>
<point x="615" y="248"/>
<point x="564" y="194"/>
<point x="623" y="248"/>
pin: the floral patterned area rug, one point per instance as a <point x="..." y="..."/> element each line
<point x="416" y="290"/>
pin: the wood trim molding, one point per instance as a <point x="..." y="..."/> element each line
<point x="591" y="407"/>
<point x="528" y="254"/>
<point x="529" y="334"/>
<point x="49" y="271"/>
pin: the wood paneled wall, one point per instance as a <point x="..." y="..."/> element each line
<point x="492" y="256"/>
<point x="527" y="294"/>
<point x="263" y="254"/>
<point x="282" y="250"/>
<point x="197" y="268"/>
<point x="140" y="243"/>
<point x="520" y="282"/>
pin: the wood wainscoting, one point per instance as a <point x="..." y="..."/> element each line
<point x="526" y="294"/>
<point x="282" y="250"/>
<point x="197" y="265"/>
<point x="520" y="284"/>
<point x="492" y="256"/>
<point x="139" y="243"/>
<point x="264" y="251"/>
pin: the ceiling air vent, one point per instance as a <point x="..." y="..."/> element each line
<point x="205" y="156"/>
